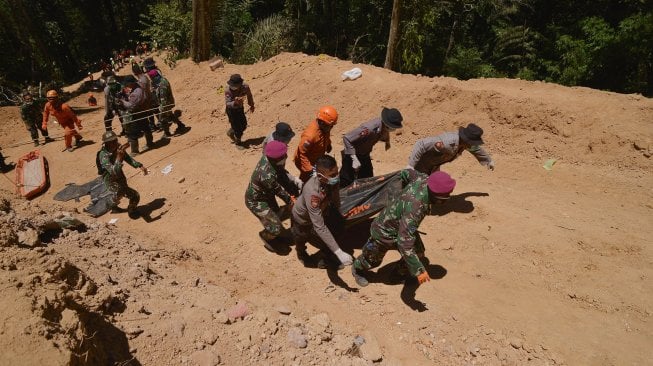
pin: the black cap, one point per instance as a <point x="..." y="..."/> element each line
<point x="471" y="134"/>
<point x="109" y="136"/>
<point x="391" y="117"/>
<point x="149" y="64"/>
<point x="235" y="79"/>
<point x="129" y="79"/>
<point x="283" y="131"/>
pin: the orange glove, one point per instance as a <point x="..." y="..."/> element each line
<point x="44" y="126"/>
<point x="293" y="199"/>
<point x="423" y="277"/>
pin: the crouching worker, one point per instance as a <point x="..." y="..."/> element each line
<point x="320" y="197"/>
<point x="264" y="186"/>
<point x="396" y="226"/>
<point x="110" y="160"/>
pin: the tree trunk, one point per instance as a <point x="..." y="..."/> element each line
<point x="394" y="35"/>
<point x="201" y="41"/>
<point x="451" y="41"/>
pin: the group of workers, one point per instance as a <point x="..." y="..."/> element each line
<point x="314" y="197"/>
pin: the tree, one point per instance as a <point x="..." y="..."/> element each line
<point x="200" y="48"/>
<point x="394" y="35"/>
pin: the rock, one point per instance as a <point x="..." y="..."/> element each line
<point x="29" y="237"/>
<point x="296" y="338"/>
<point x="640" y="145"/>
<point x="283" y="310"/>
<point x="222" y="318"/>
<point x="516" y="343"/>
<point x="370" y="350"/>
<point x="322" y="320"/>
<point x="238" y="311"/>
<point x="181" y="180"/>
<point x="209" y="337"/>
<point x="205" y="358"/>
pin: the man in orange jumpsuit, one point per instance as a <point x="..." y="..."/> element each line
<point x="315" y="141"/>
<point x="65" y="116"/>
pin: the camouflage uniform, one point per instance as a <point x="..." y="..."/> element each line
<point x="396" y="226"/>
<point x="431" y="152"/>
<point x="260" y="195"/>
<point x="166" y="102"/>
<point x="32" y="115"/>
<point x="114" y="179"/>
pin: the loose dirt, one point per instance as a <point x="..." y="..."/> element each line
<point x="529" y="266"/>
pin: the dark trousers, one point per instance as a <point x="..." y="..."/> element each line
<point x="347" y="173"/>
<point x="34" y="129"/>
<point x="237" y="120"/>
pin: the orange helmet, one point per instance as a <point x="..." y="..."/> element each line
<point x="52" y="94"/>
<point x="328" y="115"/>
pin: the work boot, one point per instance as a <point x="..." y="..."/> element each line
<point x="78" y="141"/>
<point x="356" y="271"/>
<point x="36" y="142"/>
<point x="232" y="135"/>
<point x="266" y="237"/>
<point x="166" y="133"/>
<point x="48" y="139"/>
<point x="239" y="144"/>
<point x="133" y="146"/>
<point x="302" y="255"/>
<point x="69" y="149"/>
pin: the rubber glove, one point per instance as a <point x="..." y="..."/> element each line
<point x="355" y="163"/>
<point x="423" y="277"/>
<point x="344" y="257"/>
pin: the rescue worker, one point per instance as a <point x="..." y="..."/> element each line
<point x="235" y="95"/>
<point x="359" y="143"/>
<point x="4" y="167"/>
<point x="264" y="185"/>
<point x="282" y="132"/>
<point x="135" y="124"/>
<point x="111" y="159"/>
<point x="65" y="116"/>
<point x="431" y="152"/>
<point x="31" y="111"/>
<point x="166" y="102"/>
<point x="315" y="141"/>
<point x="149" y="104"/>
<point x="112" y="96"/>
<point x="319" y="198"/>
<point x="396" y="226"/>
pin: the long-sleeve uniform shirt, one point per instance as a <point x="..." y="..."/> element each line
<point x="146" y="85"/>
<point x="112" y="174"/>
<point x="396" y="226"/>
<point x="431" y="152"/>
<point x="310" y="207"/>
<point x="231" y="95"/>
<point x="361" y="140"/>
<point x="313" y="144"/>
<point x="32" y="112"/>
<point x="110" y="104"/>
<point x="135" y="101"/>
<point x="264" y="184"/>
<point x="164" y="95"/>
<point x="64" y="115"/>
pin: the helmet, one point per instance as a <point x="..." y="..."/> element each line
<point x="109" y="136"/>
<point x="328" y="115"/>
<point x="52" y="94"/>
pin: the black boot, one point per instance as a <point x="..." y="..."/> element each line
<point x="133" y="146"/>
<point x="356" y="271"/>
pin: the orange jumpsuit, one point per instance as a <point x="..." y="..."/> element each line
<point x="66" y="118"/>
<point x="313" y="144"/>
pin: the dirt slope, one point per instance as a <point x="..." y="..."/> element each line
<point x="530" y="266"/>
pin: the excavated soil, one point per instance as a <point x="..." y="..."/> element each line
<point x="529" y="266"/>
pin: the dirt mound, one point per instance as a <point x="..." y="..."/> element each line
<point x="529" y="266"/>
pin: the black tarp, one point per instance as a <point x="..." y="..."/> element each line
<point x="368" y="196"/>
<point x="101" y="200"/>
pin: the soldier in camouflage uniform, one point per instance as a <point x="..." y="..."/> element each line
<point x="265" y="184"/>
<point x="431" y="152"/>
<point x="31" y="111"/>
<point x="110" y="160"/>
<point x="166" y="101"/>
<point x="396" y="226"/>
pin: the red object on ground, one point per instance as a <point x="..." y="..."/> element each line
<point x="32" y="175"/>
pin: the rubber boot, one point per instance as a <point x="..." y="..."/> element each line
<point x="356" y="271"/>
<point x="36" y="142"/>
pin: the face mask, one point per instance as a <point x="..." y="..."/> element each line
<point x="281" y="163"/>
<point x="330" y="181"/>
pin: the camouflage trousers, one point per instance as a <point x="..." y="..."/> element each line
<point x="119" y="191"/>
<point x="374" y="251"/>
<point x="266" y="213"/>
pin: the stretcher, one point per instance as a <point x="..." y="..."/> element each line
<point x="32" y="176"/>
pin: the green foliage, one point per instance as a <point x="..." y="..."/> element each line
<point x="467" y="63"/>
<point x="269" y="37"/>
<point x="169" y="25"/>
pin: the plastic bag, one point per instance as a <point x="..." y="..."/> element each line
<point x="352" y="74"/>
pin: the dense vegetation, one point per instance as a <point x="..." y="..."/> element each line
<point x="606" y="44"/>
